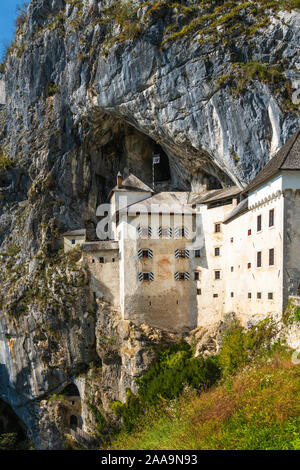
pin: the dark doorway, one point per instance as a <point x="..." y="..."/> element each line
<point x="73" y="422"/>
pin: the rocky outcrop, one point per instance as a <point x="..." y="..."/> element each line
<point x="93" y="88"/>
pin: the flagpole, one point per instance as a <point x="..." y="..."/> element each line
<point x="153" y="171"/>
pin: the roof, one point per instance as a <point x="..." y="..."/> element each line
<point x="288" y="158"/>
<point x="241" y="208"/>
<point x="218" y="195"/>
<point x="75" y="233"/>
<point x="131" y="183"/>
<point x="166" y="202"/>
<point x="101" y="245"/>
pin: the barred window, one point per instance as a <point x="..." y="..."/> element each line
<point x="165" y="232"/>
<point x="145" y="254"/>
<point x="145" y="276"/>
<point x="144" y="232"/>
<point x="182" y="253"/>
<point x="181" y="276"/>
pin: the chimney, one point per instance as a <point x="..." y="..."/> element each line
<point x="119" y="180"/>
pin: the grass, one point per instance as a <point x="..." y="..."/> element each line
<point x="258" y="409"/>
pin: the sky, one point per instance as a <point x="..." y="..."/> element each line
<point x="7" y="17"/>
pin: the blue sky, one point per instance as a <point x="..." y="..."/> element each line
<point x="7" y="16"/>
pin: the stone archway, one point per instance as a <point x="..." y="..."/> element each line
<point x="71" y="408"/>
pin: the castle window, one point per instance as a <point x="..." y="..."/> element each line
<point x="181" y="232"/>
<point x="165" y="232"/>
<point x="215" y="296"/>
<point x="73" y="242"/>
<point x="113" y="260"/>
<point x="217" y="251"/>
<point x="181" y="276"/>
<point x="271" y="257"/>
<point x="144" y="232"/>
<point x="249" y="232"/>
<point x="258" y="259"/>
<point x="197" y="276"/>
<point x="232" y="294"/>
<point x="231" y="269"/>
<point x="259" y="223"/>
<point x="199" y="292"/>
<point x="271" y="218"/>
<point x="145" y="254"/>
<point x="231" y="240"/>
<point x="249" y="295"/>
<point x="146" y="277"/>
<point x="101" y="260"/>
<point x="249" y="265"/>
<point x="93" y="261"/>
<point x="270" y="296"/>
<point x="197" y="253"/>
<point x="217" y="275"/>
<point x="182" y="253"/>
<point x="258" y="295"/>
<point x="217" y="228"/>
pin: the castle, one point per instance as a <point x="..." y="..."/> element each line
<point x="177" y="260"/>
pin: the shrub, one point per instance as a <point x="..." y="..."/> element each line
<point x="297" y="313"/>
<point x="165" y="379"/>
<point x="5" y="162"/>
<point x="8" y="441"/>
<point x="21" y="15"/>
<point x="240" y="346"/>
<point x="52" y="89"/>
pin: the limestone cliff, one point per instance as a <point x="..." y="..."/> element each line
<point x="93" y="87"/>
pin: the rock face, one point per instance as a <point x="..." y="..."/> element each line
<point x="87" y="95"/>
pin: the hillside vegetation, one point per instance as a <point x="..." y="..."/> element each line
<point x="254" y="406"/>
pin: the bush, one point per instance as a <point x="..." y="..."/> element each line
<point x="297" y="313"/>
<point x="174" y="368"/>
<point x="21" y="14"/>
<point x="240" y="346"/>
<point x="8" y="441"/>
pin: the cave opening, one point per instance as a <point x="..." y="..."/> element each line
<point x="13" y="434"/>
